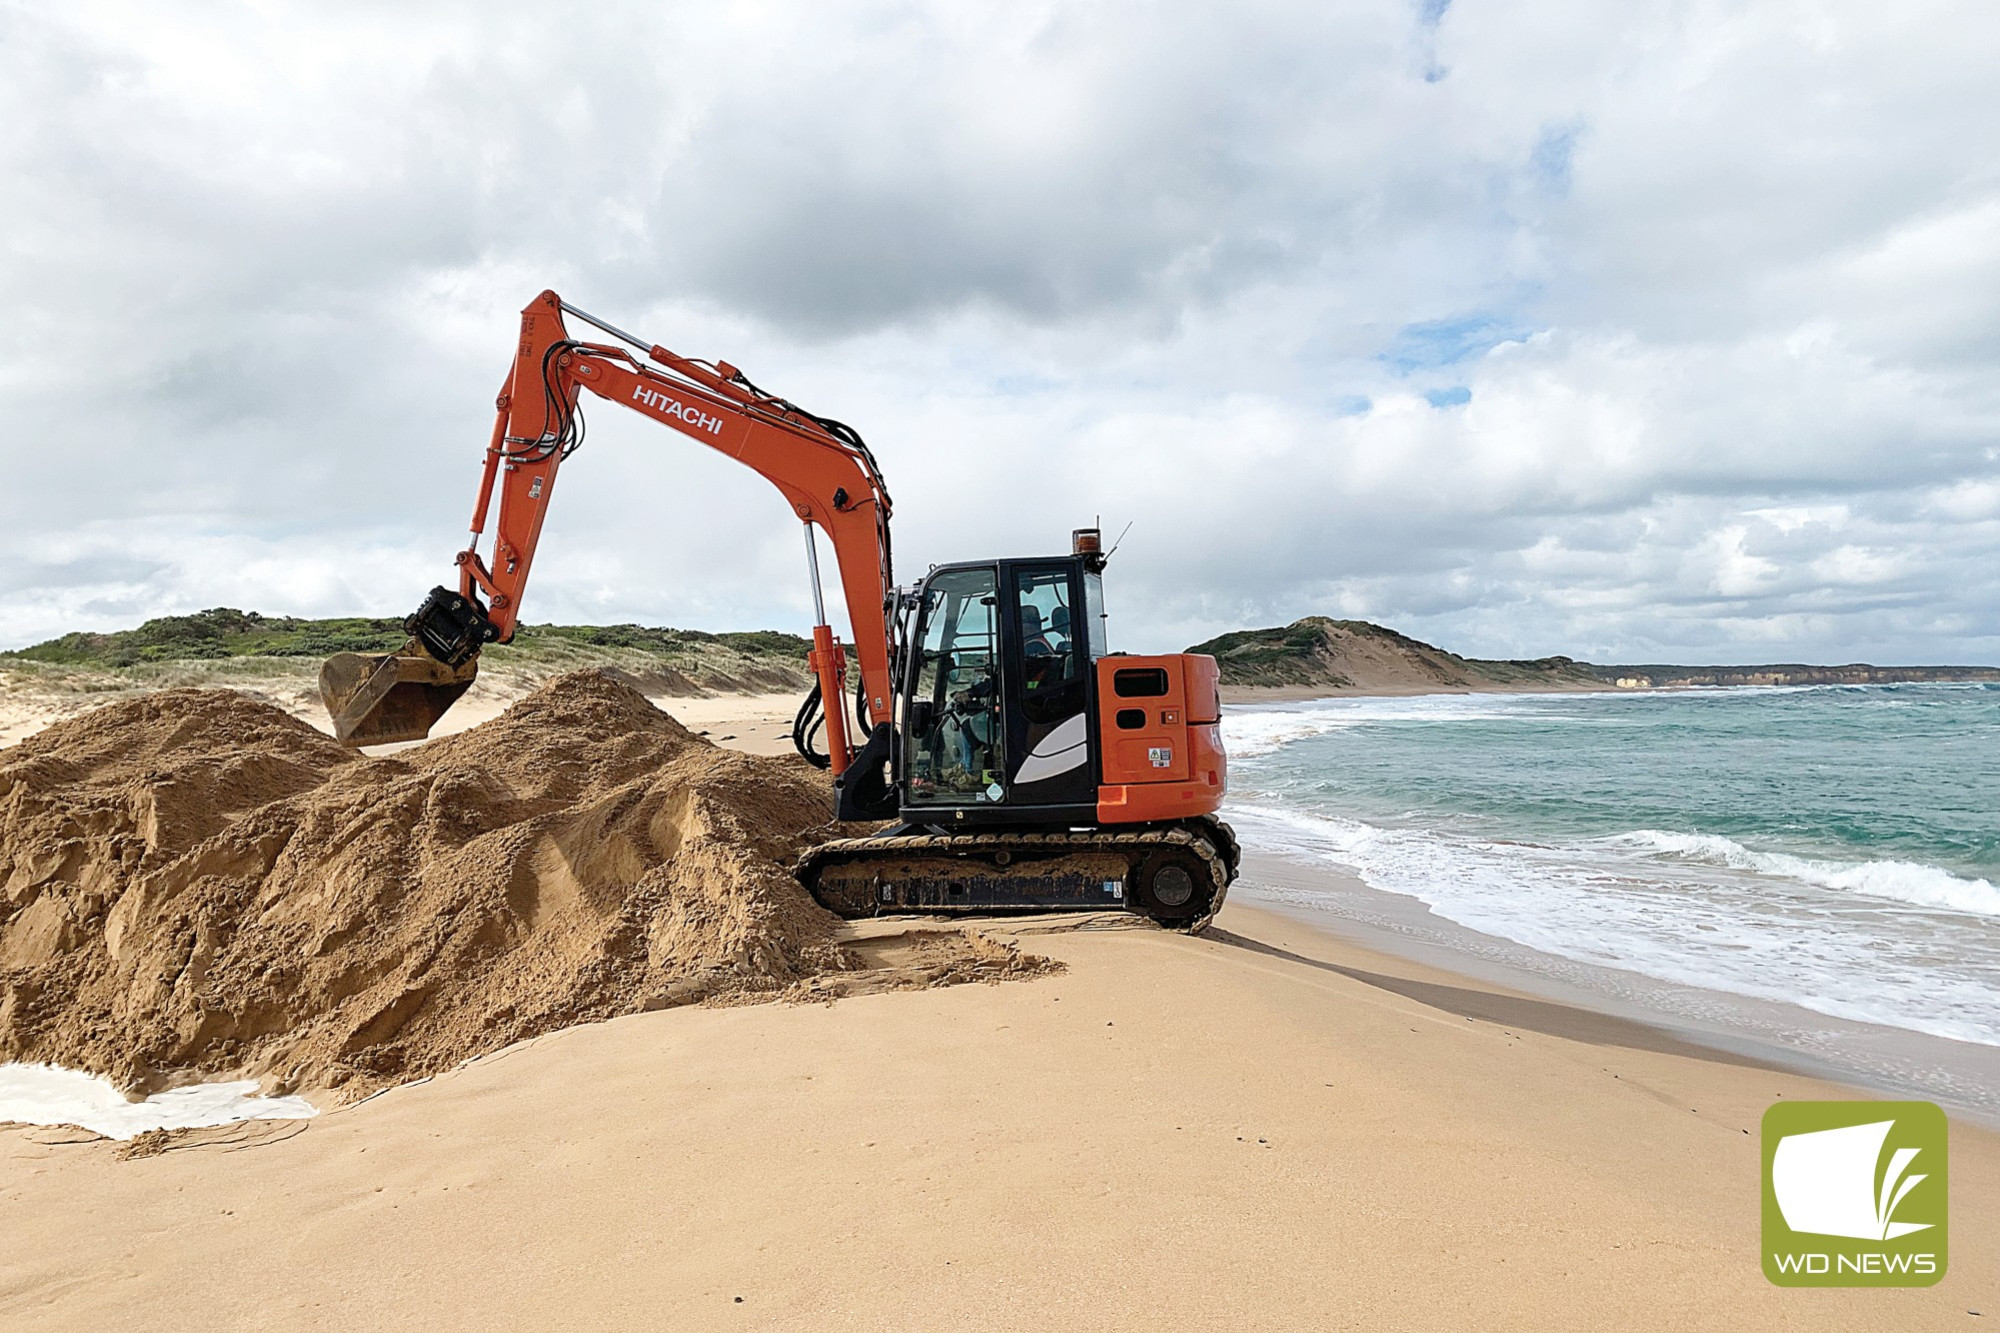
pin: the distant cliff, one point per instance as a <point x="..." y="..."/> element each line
<point x="1785" y="673"/>
<point x="1321" y="655"/>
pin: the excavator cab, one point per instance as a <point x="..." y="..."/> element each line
<point x="998" y="692"/>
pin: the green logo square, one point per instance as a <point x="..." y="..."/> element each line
<point x="1854" y="1194"/>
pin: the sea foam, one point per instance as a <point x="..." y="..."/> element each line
<point x="1249" y="732"/>
<point x="1897" y="881"/>
<point x="32" y="1094"/>
<point x="1621" y="906"/>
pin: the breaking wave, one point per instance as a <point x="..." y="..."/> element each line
<point x="1631" y="903"/>
<point x="1896" y="881"/>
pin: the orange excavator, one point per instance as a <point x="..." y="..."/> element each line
<point x="1020" y="765"/>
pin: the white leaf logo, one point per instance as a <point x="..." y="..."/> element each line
<point x="1826" y="1182"/>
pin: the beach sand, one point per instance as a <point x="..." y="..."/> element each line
<point x="1263" y="1127"/>
<point x="753" y="723"/>
<point x="757" y="723"/>
<point x="1266" y="1127"/>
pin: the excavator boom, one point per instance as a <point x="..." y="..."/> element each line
<point x="822" y="468"/>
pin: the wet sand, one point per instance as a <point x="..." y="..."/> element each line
<point x="1962" y="1076"/>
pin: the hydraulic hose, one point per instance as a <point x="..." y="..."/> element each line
<point x="806" y="725"/>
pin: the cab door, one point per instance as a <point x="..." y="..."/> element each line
<point x="1048" y="684"/>
<point x="953" y="731"/>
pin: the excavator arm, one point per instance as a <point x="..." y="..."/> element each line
<point x="822" y="468"/>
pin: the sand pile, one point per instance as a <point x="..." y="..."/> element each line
<point x="194" y="883"/>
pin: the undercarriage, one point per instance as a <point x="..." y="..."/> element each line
<point x="1177" y="874"/>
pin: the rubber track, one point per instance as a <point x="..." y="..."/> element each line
<point x="1216" y="846"/>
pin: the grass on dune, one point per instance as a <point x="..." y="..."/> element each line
<point x="282" y="654"/>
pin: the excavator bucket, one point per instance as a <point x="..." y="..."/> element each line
<point x="375" y="700"/>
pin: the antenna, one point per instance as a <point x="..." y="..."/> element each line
<point x="1120" y="542"/>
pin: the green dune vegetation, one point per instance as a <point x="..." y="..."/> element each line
<point x="280" y="656"/>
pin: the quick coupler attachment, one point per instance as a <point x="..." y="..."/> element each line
<point x="452" y="627"/>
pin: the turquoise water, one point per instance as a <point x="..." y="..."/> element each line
<point x="1833" y="847"/>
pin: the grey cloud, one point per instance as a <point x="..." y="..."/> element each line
<point x="1198" y="270"/>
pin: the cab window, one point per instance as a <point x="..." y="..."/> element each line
<point x="1093" y="614"/>
<point x="955" y="734"/>
<point x="1051" y="634"/>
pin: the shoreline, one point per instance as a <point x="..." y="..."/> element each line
<point x="1963" y="1077"/>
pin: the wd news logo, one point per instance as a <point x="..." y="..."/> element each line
<point x="1854" y="1194"/>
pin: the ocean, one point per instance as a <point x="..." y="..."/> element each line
<point x="1831" y="848"/>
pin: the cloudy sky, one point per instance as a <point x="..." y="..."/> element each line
<point x="1642" y="331"/>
